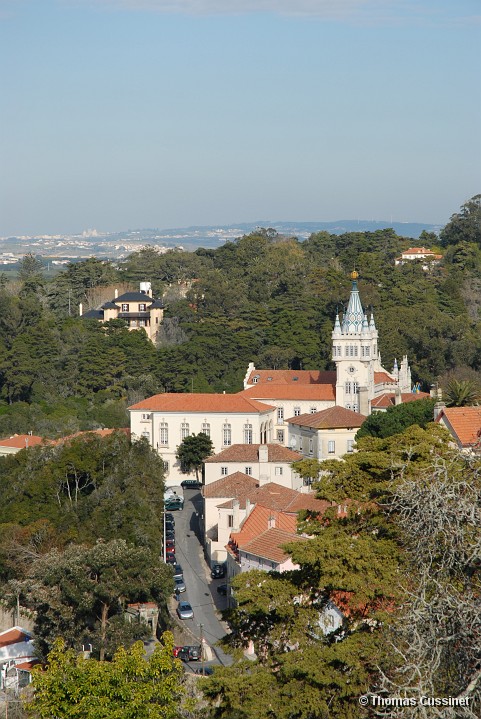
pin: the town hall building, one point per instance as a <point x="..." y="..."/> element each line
<point x="274" y="404"/>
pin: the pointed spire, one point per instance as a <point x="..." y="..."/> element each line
<point x="372" y="325"/>
<point x="337" y="324"/>
<point x="395" y="368"/>
<point x="365" y="325"/>
<point x="354" y="315"/>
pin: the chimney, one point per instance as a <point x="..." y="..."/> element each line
<point x="116" y="293"/>
<point x="397" y="396"/>
<point x="248" y="507"/>
<point x="438" y="408"/>
<point x="271" y="522"/>
<point x="263" y="453"/>
<point x="80" y="310"/>
<point x="363" y="401"/>
<point x="235" y="517"/>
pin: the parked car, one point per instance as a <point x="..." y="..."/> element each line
<point x="223" y="589"/>
<point x="191" y="484"/>
<point x="170" y="544"/>
<point x="175" y="504"/>
<point x="179" y="586"/>
<point x="185" y="611"/>
<point x="217" y="571"/>
<point x="194" y="653"/>
<point x="169" y="526"/>
<point x="170" y="559"/>
<point x="170" y="550"/>
<point x="169" y="518"/>
<point x="170" y="535"/>
<point x="178" y="572"/>
<point x="176" y="651"/>
<point x="205" y="671"/>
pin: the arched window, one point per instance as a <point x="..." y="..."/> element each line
<point x="184" y="430"/>
<point x="205" y="429"/>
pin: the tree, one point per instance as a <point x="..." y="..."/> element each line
<point x="80" y="594"/>
<point x="192" y="452"/>
<point x="71" y="687"/>
<point x="462" y="393"/>
<point x="465" y="225"/>
<point x="398" y="418"/>
<point x="308" y="469"/>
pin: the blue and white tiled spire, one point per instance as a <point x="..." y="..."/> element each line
<point x="353" y="319"/>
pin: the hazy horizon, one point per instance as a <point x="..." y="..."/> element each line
<point x="177" y="113"/>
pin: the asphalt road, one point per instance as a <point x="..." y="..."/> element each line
<point x="201" y="588"/>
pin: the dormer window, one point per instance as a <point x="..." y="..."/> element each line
<point x="255" y="379"/>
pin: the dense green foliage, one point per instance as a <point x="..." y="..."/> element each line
<point x="192" y="451"/>
<point x="72" y="687"/>
<point x="398" y="418"/>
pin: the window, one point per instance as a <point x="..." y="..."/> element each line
<point x="280" y="435"/>
<point x="347" y="388"/>
<point x="355" y="350"/>
<point x="205" y="429"/>
<point x="355" y="408"/>
<point x="350" y="445"/>
<point x="247" y="433"/>
<point x="125" y="308"/>
<point x="311" y="446"/>
<point x="224" y="471"/>
<point x="331" y="446"/>
<point x="255" y="379"/>
<point x="297" y="411"/>
<point x="184" y="430"/>
<point x="146" y="435"/>
<point x="142" y="323"/>
<point x="248" y="470"/>
<point x="142" y="307"/>
<point x="280" y="415"/>
<point x="166" y="466"/>
<point x="230" y="520"/>
<point x="355" y="387"/>
<point x="313" y="410"/>
<point x="164" y="433"/>
<point x="278" y="471"/>
<point x="226" y="435"/>
<point x="145" y="417"/>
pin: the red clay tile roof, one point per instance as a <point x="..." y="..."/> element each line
<point x="330" y="418"/>
<point x="387" y="399"/>
<point x="275" y="496"/>
<point x="13" y="636"/>
<point x="288" y="376"/>
<point x="383" y="378"/>
<point x="185" y="402"/>
<point x="97" y="432"/>
<point x="312" y="392"/>
<point x="250" y="453"/>
<point x="463" y="422"/>
<point x="268" y="544"/>
<point x="235" y="486"/>
<point x="21" y="441"/>
<point x="257" y="522"/>
<point x="418" y="251"/>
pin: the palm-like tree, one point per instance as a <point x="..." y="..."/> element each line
<point x="462" y="393"/>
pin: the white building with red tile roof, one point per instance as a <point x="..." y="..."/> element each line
<point x="263" y="462"/>
<point x="17" y="656"/>
<point x="258" y="414"/>
<point x="418" y="253"/>
<point x="325" y="435"/>
<point x="166" y="419"/>
<point x="464" y="425"/>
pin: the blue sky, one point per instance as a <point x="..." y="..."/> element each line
<point x="118" y="114"/>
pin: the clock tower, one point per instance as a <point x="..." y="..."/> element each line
<point x="355" y="352"/>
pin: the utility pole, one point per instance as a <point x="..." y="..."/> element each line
<point x="202" y="648"/>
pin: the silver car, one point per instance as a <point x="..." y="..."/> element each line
<point x="185" y="611"/>
<point x="179" y="586"/>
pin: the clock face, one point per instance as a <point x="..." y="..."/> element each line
<point x="351" y="369"/>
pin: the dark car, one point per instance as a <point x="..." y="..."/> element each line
<point x="169" y="527"/>
<point x="178" y="572"/>
<point x="194" y="653"/>
<point x="170" y="559"/>
<point x="205" y="671"/>
<point x="175" y="504"/>
<point x="223" y="589"/>
<point x="170" y="535"/>
<point x="218" y="571"/>
<point x="169" y="518"/>
<point x="191" y="484"/>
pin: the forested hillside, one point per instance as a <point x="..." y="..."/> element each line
<point x="263" y="298"/>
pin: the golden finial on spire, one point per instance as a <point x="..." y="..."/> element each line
<point x="354" y="275"/>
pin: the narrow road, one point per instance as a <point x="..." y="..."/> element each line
<point x="201" y="588"/>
